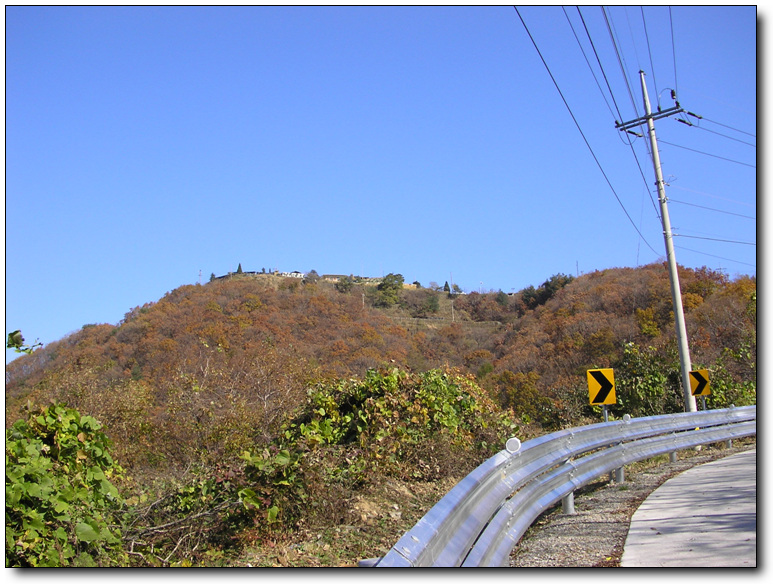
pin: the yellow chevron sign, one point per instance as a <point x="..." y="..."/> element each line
<point x="601" y="386"/>
<point x="699" y="382"/>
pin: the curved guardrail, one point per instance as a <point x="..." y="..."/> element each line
<point x="481" y="519"/>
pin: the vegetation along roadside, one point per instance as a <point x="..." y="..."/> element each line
<point x="260" y="421"/>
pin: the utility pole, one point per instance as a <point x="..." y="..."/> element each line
<point x="676" y="293"/>
<point x="451" y="294"/>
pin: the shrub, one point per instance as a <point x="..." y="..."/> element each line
<point x="411" y="426"/>
<point x="60" y="507"/>
<point x="648" y="382"/>
<point x="186" y="522"/>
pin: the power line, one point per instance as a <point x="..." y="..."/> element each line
<point x="586" y="59"/>
<point x="620" y="59"/>
<point x="598" y="60"/>
<point x="728" y="127"/>
<point x="630" y="94"/>
<point x="716" y="256"/>
<point x="724" y="136"/>
<point x="713" y="196"/>
<point x="676" y="87"/>
<point x="707" y="154"/>
<point x="673" y="50"/>
<point x="580" y="129"/>
<point x="715" y="239"/>
<point x="634" y="44"/>
<point x="712" y="209"/>
<point x="649" y="50"/>
<point x="622" y="67"/>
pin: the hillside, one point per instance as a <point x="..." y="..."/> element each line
<point x="246" y="344"/>
<point x="296" y="400"/>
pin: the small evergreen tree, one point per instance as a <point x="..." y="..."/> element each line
<point x="389" y="290"/>
<point x="345" y="284"/>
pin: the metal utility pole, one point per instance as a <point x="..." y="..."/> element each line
<point x="676" y="294"/>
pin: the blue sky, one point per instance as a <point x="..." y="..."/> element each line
<point x="145" y="146"/>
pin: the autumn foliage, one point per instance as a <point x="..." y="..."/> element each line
<point x="208" y="371"/>
<point x="237" y="402"/>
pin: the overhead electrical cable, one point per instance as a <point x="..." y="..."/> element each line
<point x="633" y="39"/>
<point x="611" y="93"/>
<point x="712" y="209"/>
<point x="713" y="196"/>
<point x="715" y="256"/>
<point x="728" y="127"/>
<point x="673" y="50"/>
<point x="615" y="44"/>
<point x="724" y="136"/>
<point x="580" y="129"/>
<point x="706" y="153"/>
<point x="649" y="50"/>
<point x="676" y="89"/>
<point x="620" y="60"/>
<point x="598" y="60"/>
<point x="638" y="164"/>
<point x="621" y="63"/>
<point x="582" y="50"/>
<point x="715" y="239"/>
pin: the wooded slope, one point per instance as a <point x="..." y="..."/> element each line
<point x="210" y="370"/>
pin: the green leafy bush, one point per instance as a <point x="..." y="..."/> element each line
<point x="648" y="382"/>
<point x="411" y="426"/>
<point x="61" y="508"/>
<point x="728" y="388"/>
<point x="390" y="411"/>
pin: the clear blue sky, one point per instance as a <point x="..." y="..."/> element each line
<point x="145" y="146"/>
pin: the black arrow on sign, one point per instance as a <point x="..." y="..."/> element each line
<point x="702" y="381"/>
<point x="605" y="384"/>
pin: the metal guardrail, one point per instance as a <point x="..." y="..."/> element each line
<point x="481" y="519"/>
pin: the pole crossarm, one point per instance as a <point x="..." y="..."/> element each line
<point x="642" y="120"/>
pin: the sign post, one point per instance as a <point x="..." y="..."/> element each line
<point x="601" y="392"/>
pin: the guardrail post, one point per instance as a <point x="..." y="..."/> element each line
<point x="729" y="443"/>
<point x="672" y="456"/>
<point x="620" y="472"/>
<point x="567" y="504"/>
<point x="606" y="419"/>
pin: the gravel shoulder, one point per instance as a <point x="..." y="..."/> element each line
<point x="595" y="535"/>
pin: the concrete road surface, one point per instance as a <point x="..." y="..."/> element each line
<point x="703" y="517"/>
